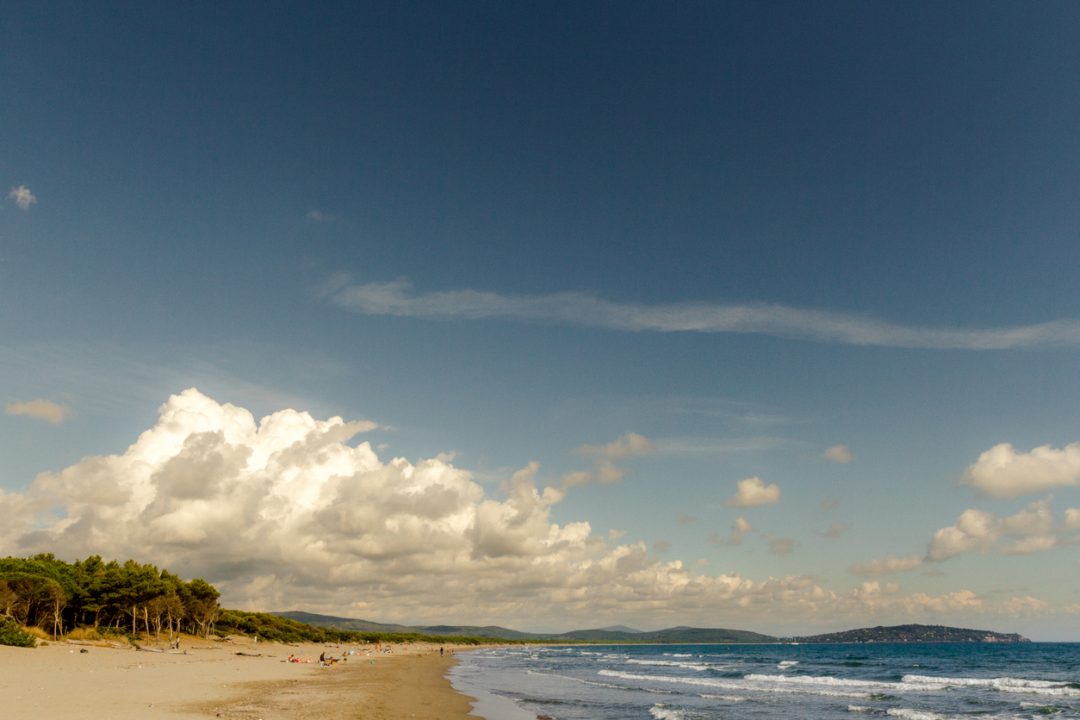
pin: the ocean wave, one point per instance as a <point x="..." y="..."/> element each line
<point x="830" y="681"/>
<point x="910" y="714"/>
<point x="749" y="683"/>
<point x="670" y="663"/>
<point x="725" y="698"/>
<point x="597" y="683"/>
<point x="1002" y="684"/>
<point x="785" y="664"/>
<point x="1041" y="709"/>
<point x="663" y="712"/>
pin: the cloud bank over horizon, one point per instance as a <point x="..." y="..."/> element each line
<point x="285" y="512"/>
<point x="574" y="308"/>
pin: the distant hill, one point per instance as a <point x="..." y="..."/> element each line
<point x="674" y="636"/>
<point x="615" y="634"/>
<point x="489" y="631"/>
<point x="913" y="634"/>
<point x="341" y="623"/>
<point x="621" y="628"/>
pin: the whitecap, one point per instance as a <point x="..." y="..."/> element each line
<point x="910" y="714"/>
<point x="751" y="684"/>
<point x="663" y="712"/>
<point x="1002" y="684"/>
<point x="670" y="663"/>
<point x="725" y="698"/>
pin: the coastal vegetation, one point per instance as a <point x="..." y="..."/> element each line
<point x="108" y="597"/>
<point x="93" y="598"/>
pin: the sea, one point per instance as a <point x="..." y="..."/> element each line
<point x="918" y="681"/>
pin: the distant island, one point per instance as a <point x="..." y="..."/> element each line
<point x="914" y="634"/>
<point x="675" y="635"/>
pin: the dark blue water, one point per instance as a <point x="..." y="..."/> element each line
<point x="708" y="682"/>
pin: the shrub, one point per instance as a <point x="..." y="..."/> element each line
<point x="12" y="634"/>
<point x="85" y="633"/>
<point x="37" y="632"/>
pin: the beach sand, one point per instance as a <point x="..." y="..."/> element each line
<point x="212" y="681"/>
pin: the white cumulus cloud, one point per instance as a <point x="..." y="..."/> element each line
<point x="605" y="456"/>
<point x="1001" y="471"/>
<point x="289" y="511"/>
<point x="839" y="454"/>
<point x="753" y="491"/>
<point x="1028" y="531"/>
<point x="1072" y="519"/>
<point x="22" y="197"/>
<point x="974" y="530"/>
<point x="739" y="529"/>
<point x="293" y="511"/>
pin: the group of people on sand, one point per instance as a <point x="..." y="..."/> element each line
<point x="328" y="660"/>
<point x="325" y="660"/>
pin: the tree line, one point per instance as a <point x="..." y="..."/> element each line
<point x="133" y="598"/>
<point x="56" y="596"/>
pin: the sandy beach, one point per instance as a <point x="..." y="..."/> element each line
<point x="211" y="680"/>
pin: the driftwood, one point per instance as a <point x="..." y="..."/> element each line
<point x="163" y="651"/>
<point x="116" y="645"/>
<point x="250" y="654"/>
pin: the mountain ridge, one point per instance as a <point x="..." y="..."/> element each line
<point x="910" y="633"/>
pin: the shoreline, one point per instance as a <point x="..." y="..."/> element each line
<point x="235" y="680"/>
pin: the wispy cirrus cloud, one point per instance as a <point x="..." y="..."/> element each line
<point x="886" y="566"/>
<point x="320" y="216"/>
<point x="397" y="298"/>
<point x="47" y="410"/>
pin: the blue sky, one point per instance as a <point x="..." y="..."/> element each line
<point x="657" y="251"/>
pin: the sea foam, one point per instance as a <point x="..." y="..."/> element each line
<point x="1002" y="684"/>
<point x="663" y="712"/>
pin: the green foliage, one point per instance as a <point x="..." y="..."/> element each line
<point x="42" y="591"/>
<point x="131" y="599"/>
<point x="12" y="634"/>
